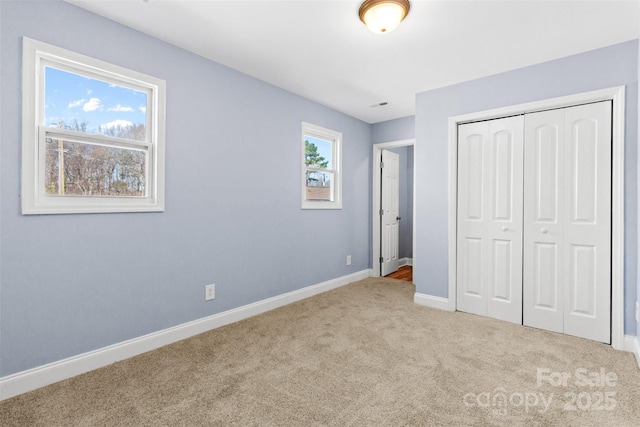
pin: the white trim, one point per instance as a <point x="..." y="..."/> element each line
<point x="25" y="381"/>
<point x="433" y="302"/>
<point x="632" y="345"/>
<point x="405" y="261"/>
<point x="377" y="150"/>
<point x="617" y="95"/>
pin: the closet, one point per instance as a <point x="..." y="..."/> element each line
<point x="534" y="219"/>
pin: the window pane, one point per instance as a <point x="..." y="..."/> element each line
<point x="84" y="104"/>
<point x="77" y="169"/>
<point x="319" y="186"/>
<point x="318" y="153"/>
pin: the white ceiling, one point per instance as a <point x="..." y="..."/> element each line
<point x="319" y="49"/>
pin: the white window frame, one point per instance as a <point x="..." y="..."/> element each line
<point x="37" y="55"/>
<point x="335" y="138"/>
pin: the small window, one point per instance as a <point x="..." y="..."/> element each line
<point x="321" y="168"/>
<point x="93" y="135"/>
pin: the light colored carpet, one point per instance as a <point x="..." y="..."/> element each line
<point x="360" y="355"/>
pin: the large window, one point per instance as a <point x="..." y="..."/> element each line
<point x="321" y="168"/>
<point x="93" y="135"/>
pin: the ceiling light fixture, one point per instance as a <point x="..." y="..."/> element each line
<point x="383" y="16"/>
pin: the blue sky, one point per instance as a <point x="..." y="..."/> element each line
<point x="71" y="96"/>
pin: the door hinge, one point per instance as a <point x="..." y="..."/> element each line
<point x="381" y="165"/>
<point x="381" y="212"/>
<point x="381" y="260"/>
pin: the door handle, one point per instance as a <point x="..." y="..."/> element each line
<point x="544" y="230"/>
<point x="398" y="218"/>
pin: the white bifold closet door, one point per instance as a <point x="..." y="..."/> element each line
<point x="489" y="244"/>
<point x="534" y="220"/>
<point x="567" y="221"/>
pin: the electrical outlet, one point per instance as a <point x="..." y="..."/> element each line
<point x="209" y="292"/>
<point x="348" y="259"/>
<point x="637" y="312"/>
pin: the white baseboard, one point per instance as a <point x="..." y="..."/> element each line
<point x="632" y="344"/>
<point x="405" y="261"/>
<point x="433" y="302"/>
<point x="25" y="381"/>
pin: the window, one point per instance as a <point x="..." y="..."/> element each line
<point x="93" y="135"/>
<point x="321" y="168"/>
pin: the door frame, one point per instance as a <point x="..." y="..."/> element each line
<point x="615" y="94"/>
<point x="376" y="182"/>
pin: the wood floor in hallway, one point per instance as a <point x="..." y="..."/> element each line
<point x="404" y="273"/>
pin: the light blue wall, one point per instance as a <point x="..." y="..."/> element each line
<point x="393" y="130"/>
<point x="74" y="283"/>
<point x="612" y="66"/>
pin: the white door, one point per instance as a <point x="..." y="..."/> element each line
<point x="489" y="246"/>
<point x="567" y="221"/>
<point x="389" y="213"/>
<point x="543" y="228"/>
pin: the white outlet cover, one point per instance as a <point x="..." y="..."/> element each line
<point x="209" y="292"/>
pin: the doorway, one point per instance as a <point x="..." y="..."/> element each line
<point x="405" y="241"/>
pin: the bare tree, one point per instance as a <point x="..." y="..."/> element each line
<point x="95" y="170"/>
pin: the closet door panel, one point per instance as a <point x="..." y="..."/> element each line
<point x="543" y="232"/>
<point x="489" y="268"/>
<point x="587" y="221"/>
<point x="546" y="147"/>
<point x="505" y="167"/>
<point x="582" y="280"/>
<point x="545" y="280"/>
<point x="472" y="254"/>
<point x="502" y="277"/>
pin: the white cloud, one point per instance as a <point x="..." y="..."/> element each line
<point x="143" y="109"/>
<point x="93" y="105"/>
<point x="121" y="108"/>
<point x="116" y="124"/>
<point x="76" y="103"/>
<point x="89" y="91"/>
